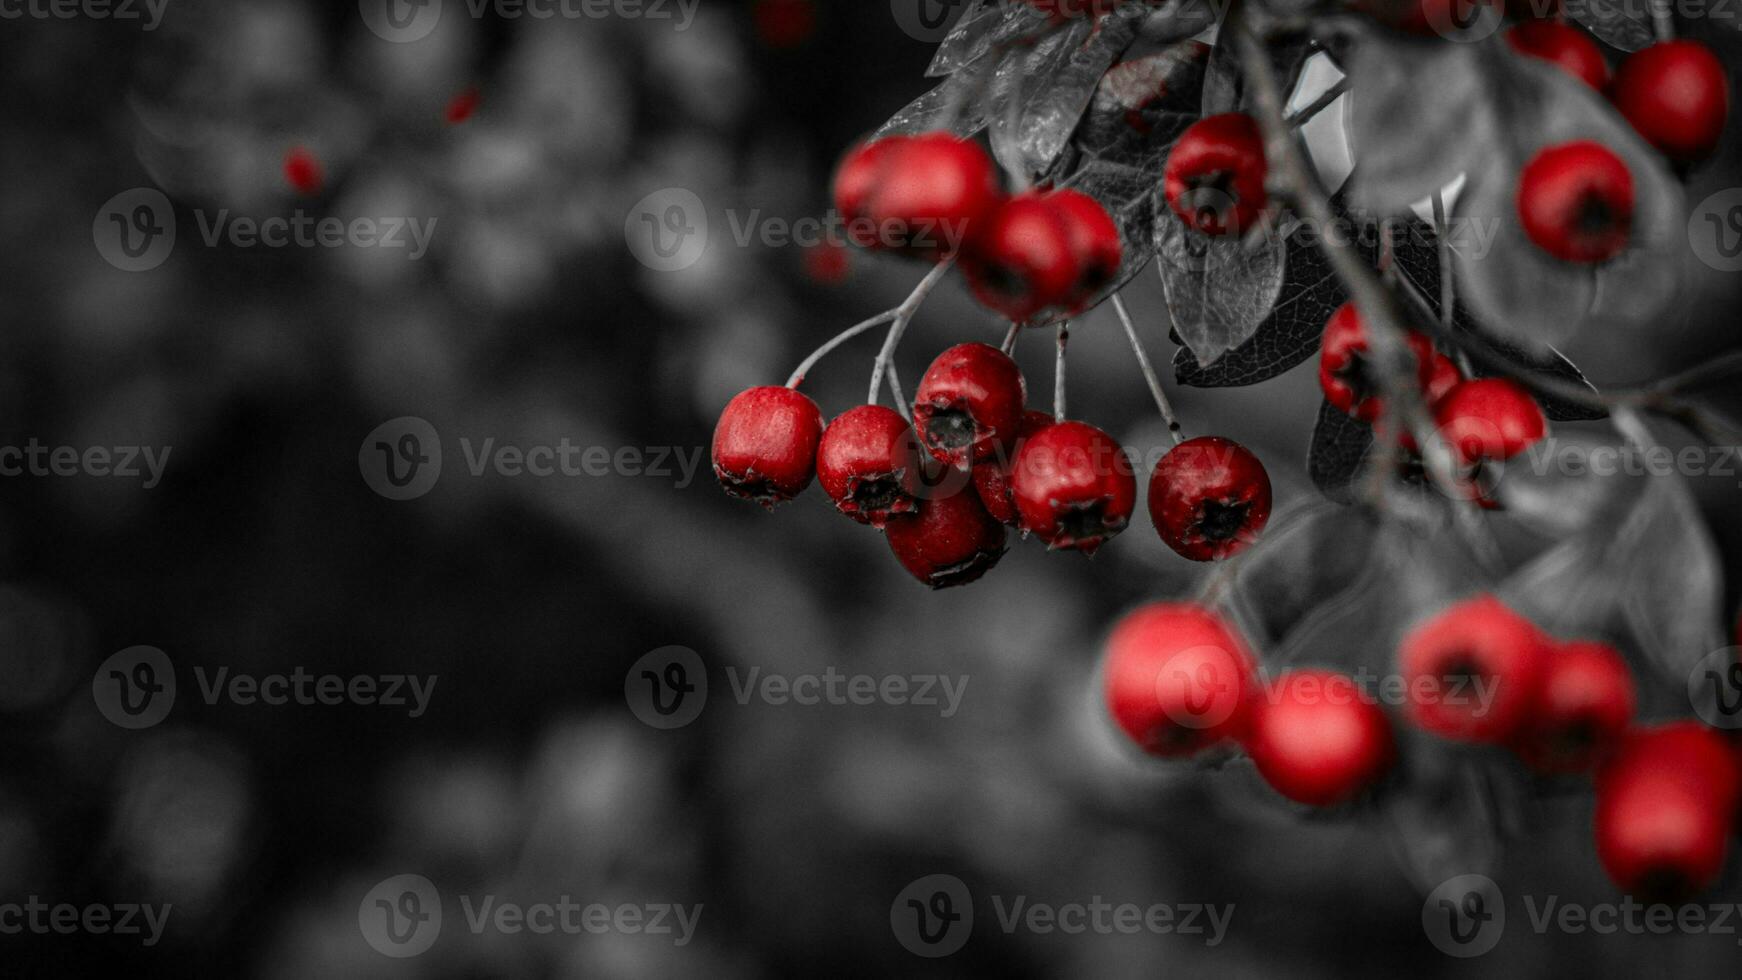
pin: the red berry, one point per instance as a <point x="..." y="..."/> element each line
<point x="1073" y="486"/>
<point x="950" y="541"/>
<point x="1489" y="419"/>
<point x="1677" y="96"/>
<point x="931" y="192"/>
<point x="1317" y="738"/>
<point x="785" y="23"/>
<point x="1094" y="243"/>
<point x="969" y="404"/>
<point x="1586" y="704"/>
<point x="992" y="477"/>
<point x="1576" y="202"/>
<point x="303" y="171"/>
<point x="765" y="447"/>
<point x="1209" y="498"/>
<point x="1178" y="680"/>
<point x="461" y="106"/>
<point x="1665" y="802"/>
<point x="1214" y="178"/>
<point x="827" y="263"/>
<point x="1021" y="260"/>
<point x="1473" y="672"/>
<point x="868" y="464"/>
<point x="1348" y="377"/>
<point x="1443" y="374"/>
<point x="1564" y="46"/>
<point x="856" y="180"/>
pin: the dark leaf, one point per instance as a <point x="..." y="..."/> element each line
<point x="1419" y="115"/>
<point x="980" y="29"/>
<point x="1339" y="448"/>
<point x="958" y="105"/>
<point x="1057" y="81"/>
<point x="1617" y="23"/>
<point x="1177" y="20"/>
<point x="1219" y="290"/>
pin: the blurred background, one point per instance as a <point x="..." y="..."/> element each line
<point x="258" y="374"/>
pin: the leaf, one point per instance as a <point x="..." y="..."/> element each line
<point x="1617" y="23"/>
<point x="980" y="29"/>
<point x="1339" y="448"/>
<point x="1419" y="115"/>
<point x="1178" y="20"/>
<point x="1442" y="819"/>
<point x="1224" y="81"/>
<point x="1059" y="79"/>
<point x="1309" y="555"/>
<point x="1219" y="290"/>
<point x="1674" y="594"/>
<point x="957" y="105"/>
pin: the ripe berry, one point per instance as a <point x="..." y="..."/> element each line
<point x="1348" y="377"/>
<point x="856" y="180"/>
<point x="785" y="23"/>
<point x="1095" y="243"/>
<point x="303" y="171"/>
<point x="1209" y="498"/>
<point x="992" y="477"/>
<point x="1575" y="201"/>
<point x="1676" y="95"/>
<point x="1317" y="739"/>
<point x="931" y="192"/>
<point x="765" y="446"/>
<point x="951" y="540"/>
<point x="1489" y="419"/>
<point x="1178" y="679"/>
<point x="1586" y="704"/>
<point x="1665" y="802"/>
<point x="1473" y="672"/>
<point x="461" y="106"/>
<point x="1073" y="486"/>
<point x="1214" y="179"/>
<point x="969" y="404"/>
<point x="868" y="464"/>
<point x="1021" y="260"/>
<point x="1564" y="46"/>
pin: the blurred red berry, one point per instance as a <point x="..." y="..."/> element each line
<point x="1177" y="679"/>
<point x="1316" y="738"/>
<point x="1473" y="673"/>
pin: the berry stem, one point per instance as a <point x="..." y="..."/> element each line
<point x="1058" y="380"/>
<point x="1155" y="389"/>
<point x="903" y="315"/>
<point x="896" y="393"/>
<point x="1663" y="19"/>
<point x="805" y="366"/>
<point x="1448" y="285"/>
<point x="1010" y="338"/>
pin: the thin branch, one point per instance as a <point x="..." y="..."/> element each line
<point x="1155" y="389"/>
<point x="1009" y="344"/>
<point x="1058" y="381"/>
<point x="896" y="393"/>
<point x="1442" y="244"/>
<point x="1305" y="114"/>
<point x="903" y="316"/>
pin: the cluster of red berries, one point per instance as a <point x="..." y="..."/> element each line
<point x="1179" y="680"/>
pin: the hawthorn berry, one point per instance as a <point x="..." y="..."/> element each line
<point x="1073" y="486"/>
<point x="1575" y="201"/>
<point x="462" y="106"/>
<point x="765" y="445"/>
<point x="856" y="180"/>
<point x="1209" y="498"/>
<point x="1347" y="376"/>
<point x="1488" y="420"/>
<point x="1214" y="178"/>
<point x="785" y="23"/>
<point x="1677" y="96"/>
<point x="992" y="476"/>
<point x="868" y="463"/>
<point x="1022" y="260"/>
<point x="1586" y="704"/>
<point x="1317" y="739"/>
<point x="1665" y="802"/>
<point x="1177" y="679"/>
<point x="930" y="193"/>
<point x="1564" y="46"/>
<point x="303" y="171"/>
<point x="968" y="407"/>
<point x="1473" y="672"/>
<point x="1095" y="243"/>
<point x="950" y="540"/>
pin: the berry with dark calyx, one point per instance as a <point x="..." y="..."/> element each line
<point x="1587" y="702"/>
<point x="856" y="179"/>
<point x="968" y="406"/>
<point x="1666" y="799"/>
<point x="1489" y="419"/>
<point x="1209" y="498"/>
<point x="1177" y="679"/>
<point x="1575" y="202"/>
<point x="1073" y="486"/>
<point x="1021" y="260"/>
<point x="1473" y="673"/>
<point x="765" y="445"/>
<point x="1094" y="243"/>
<point x="951" y="540"/>
<point x="1564" y="46"/>
<point x="931" y="194"/>
<point x="992" y="476"/>
<point x="868" y="463"/>
<point x="1214" y="178"/>
<point x="1317" y="739"/>
<point x="1350" y="380"/>
<point x="1677" y="96"/>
